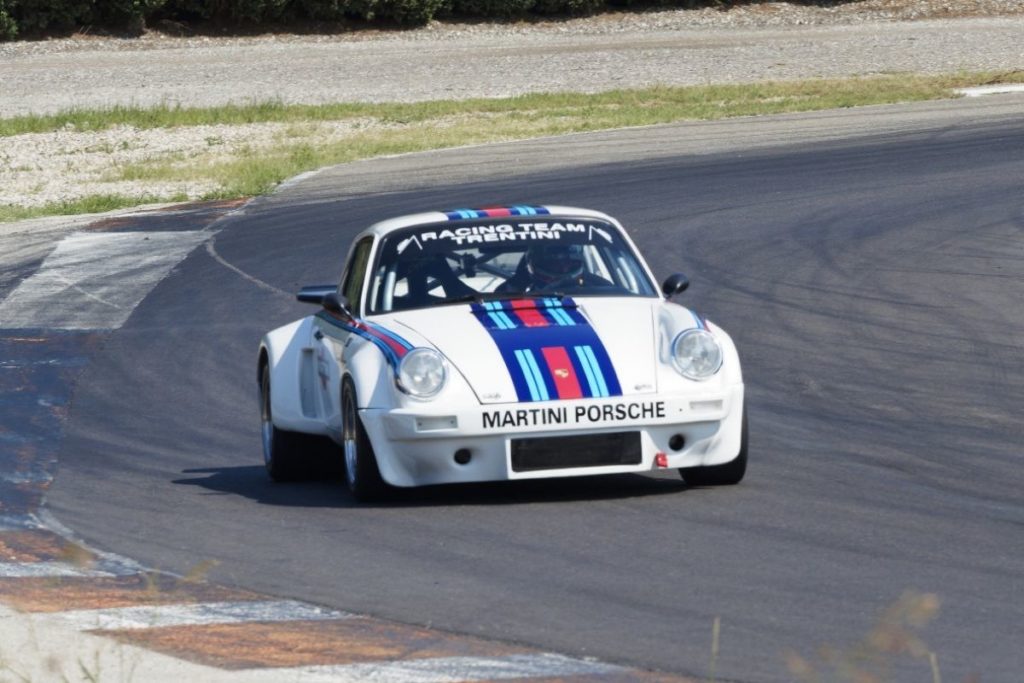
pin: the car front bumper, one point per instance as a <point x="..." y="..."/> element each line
<point x="430" y="444"/>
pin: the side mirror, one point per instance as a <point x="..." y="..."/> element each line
<point x="333" y="304"/>
<point x="674" y="284"/>
<point x="314" y="294"/>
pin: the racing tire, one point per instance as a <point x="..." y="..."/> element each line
<point x="283" y="451"/>
<point x="361" y="471"/>
<point x="726" y="474"/>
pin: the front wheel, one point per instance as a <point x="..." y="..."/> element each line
<point x="726" y="474"/>
<point x="361" y="471"/>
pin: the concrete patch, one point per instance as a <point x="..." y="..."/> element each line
<point x="992" y="90"/>
<point x="17" y="522"/>
<point x="46" y="569"/>
<point x="199" y="614"/>
<point x="93" y="281"/>
<point x="309" y="643"/>
<point x="443" y="670"/>
<point x="36" y="545"/>
<point x="47" y="595"/>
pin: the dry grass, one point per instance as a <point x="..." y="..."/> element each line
<point x="371" y="130"/>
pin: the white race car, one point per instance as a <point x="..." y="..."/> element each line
<point x="501" y="344"/>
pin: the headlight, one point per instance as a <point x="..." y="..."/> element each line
<point x="422" y="373"/>
<point x="696" y="354"/>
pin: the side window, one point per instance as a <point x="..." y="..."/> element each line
<point x="355" y="275"/>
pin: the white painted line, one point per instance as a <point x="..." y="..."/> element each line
<point x="440" y="670"/>
<point x="211" y="249"/>
<point x="19" y="522"/>
<point x="161" y="616"/>
<point x="108" y="562"/>
<point x="93" y="281"/>
<point x="34" y="477"/>
<point x="991" y="89"/>
<point x="20" y="570"/>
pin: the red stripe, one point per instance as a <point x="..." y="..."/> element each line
<point x="566" y="383"/>
<point x="497" y="212"/>
<point x="527" y="312"/>
<point x="399" y="350"/>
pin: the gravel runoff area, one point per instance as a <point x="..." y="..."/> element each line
<point x="755" y="42"/>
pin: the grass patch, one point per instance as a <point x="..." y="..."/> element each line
<point x="630" y="107"/>
<point x="382" y="129"/>
<point x="91" y="204"/>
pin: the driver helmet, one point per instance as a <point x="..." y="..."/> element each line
<point x="551" y="262"/>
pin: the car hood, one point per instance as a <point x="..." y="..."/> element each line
<point x="543" y="349"/>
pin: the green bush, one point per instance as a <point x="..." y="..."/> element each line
<point x="259" y="10"/>
<point x="131" y="13"/>
<point x="568" y="7"/>
<point x="226" y="11"/>
<point x="491" y="8"/>
<point x="409" y="12"/>
<point x="320" y="10"/>
<point x="404" y="12"/>
<point x="42" y="17"/>
<point x="38" y="16"/>
<point x="8" y="27"/>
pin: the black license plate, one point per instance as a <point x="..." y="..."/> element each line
<point x="586" y="450"/>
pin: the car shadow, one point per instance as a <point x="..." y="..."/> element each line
<point x="327" y="489"/>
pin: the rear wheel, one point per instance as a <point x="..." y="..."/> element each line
<point x="727" y="474"/>
<point x="283" y="451"/>
<point x="361" y="471"/>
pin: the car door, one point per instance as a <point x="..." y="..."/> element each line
<point x="331" y="334"/>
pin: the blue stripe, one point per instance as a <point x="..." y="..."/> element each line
<point x="531" y="381"/>
<point x="537" y="376"/>
<point x="531" y="210"/>
<point x="600" y="388"/>
<point x="575" y="316"/>
<point x="466" y="214"/>
<point x="560" y="316"/>
<point x="608" y="377"/>
<point x="585" y="364"/>
<point x="497" y="321"/>
<point x="598" y="372"/>
<point x="521" y="349"/>
<point x="518" y="375"/>
<point x="389" y="334"/>
<point x="495" y="317"/>
<point x="389" y="353"/>
<point x="500" y="317"/>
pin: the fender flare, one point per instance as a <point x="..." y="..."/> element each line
<point x="289" y="355"/>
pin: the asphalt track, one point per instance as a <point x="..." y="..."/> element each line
<point x="875" y="288"/>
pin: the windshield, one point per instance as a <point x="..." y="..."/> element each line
<point x="474" y="260"/>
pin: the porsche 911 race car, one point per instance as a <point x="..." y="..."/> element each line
<point x="501" y="344"/>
